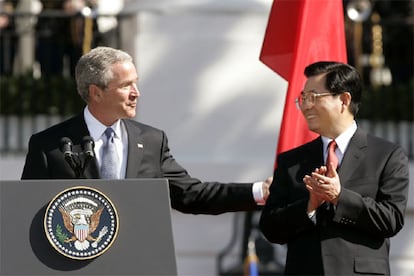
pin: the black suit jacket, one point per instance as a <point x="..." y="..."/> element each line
<point x="352" y="238"/>
<point x="44" y="160"/>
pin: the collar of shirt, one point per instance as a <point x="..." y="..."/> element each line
<point x="342" y="142"/>
<point x="96" y="131"/>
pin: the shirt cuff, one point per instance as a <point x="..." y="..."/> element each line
<point x="258" y="193"/>
<point x="312" y="216"/>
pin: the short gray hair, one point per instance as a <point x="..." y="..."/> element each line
<point x="95" y="67"/>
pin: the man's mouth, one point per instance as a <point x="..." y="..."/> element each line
<point x="310" y="116"/>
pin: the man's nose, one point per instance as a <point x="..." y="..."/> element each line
<point x="135" y="90"/>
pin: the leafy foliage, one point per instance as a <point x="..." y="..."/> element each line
<point x="25" y="95"/>
<point x="59" y="234"/>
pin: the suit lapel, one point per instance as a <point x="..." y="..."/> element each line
<point x="353" y="155"/>
<point x="135" y="149"/>
<point x="78" y="130"/>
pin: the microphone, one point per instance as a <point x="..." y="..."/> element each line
<point x="87" y="146"/>
<point x="66" y="147"/>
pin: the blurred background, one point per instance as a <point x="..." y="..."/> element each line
<point x="202" y="82"/>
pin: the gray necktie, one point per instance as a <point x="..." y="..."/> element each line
<point x="109" y="156"/>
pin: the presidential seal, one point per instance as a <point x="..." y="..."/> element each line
<point x="81" y="223"/>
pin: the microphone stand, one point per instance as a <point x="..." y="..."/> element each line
<point x="79" y="168"/>
<point x="78" y="161"/>
<point x="73" y="164"/>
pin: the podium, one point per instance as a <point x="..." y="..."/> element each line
<point x="143" y="244"/>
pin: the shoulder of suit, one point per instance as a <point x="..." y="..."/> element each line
<point x="371" y="138"/>
<point x="380" y="142"/>
<point x="59" y="127"/>
<point x="303" y="148"/>
<point x="141" y="126"/>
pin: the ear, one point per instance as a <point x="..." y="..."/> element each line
<point x="95" y="93"/>
<point x="346" y="100"/>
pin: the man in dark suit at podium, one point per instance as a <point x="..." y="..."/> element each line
<point x="107" y="81"/>
<point x="336" y="219"/>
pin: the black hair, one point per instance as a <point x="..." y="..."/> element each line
<point x="339" y="78"/>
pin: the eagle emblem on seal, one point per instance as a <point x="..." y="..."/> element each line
<point x="81" y="223"/>
<point x="81" y="218"/>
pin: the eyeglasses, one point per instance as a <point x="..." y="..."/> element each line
<point x="310" y="97"/>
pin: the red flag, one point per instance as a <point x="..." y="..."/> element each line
<point x="300" y="32"/>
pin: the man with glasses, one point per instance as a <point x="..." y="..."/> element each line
<point x="336" y="200"/>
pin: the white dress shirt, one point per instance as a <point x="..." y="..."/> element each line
<point x="96" y="131"/>
<point x="342" y="142"/>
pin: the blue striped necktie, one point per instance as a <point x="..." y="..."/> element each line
<point x="109" y="156"/>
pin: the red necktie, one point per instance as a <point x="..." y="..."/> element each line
<point x="332" y="158"/>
